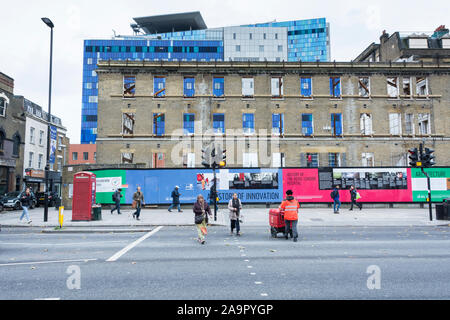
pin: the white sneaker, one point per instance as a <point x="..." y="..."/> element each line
<point x="29" y="221"/>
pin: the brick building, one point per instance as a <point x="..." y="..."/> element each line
<point x="82" y="154"/>
<point x="269" y="114"/>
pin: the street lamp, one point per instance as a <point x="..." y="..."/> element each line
<point x="50" y="24"/>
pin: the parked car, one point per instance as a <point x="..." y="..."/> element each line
<point x="53" y="199"/>
<point x="12" y="200"/>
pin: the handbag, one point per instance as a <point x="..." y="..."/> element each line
<point x="358" y="196"/>
<point x="134" y="204"/>
<point x="199" y="219"/>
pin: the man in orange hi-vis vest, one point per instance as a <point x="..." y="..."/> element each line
<point x="290" y="208"/>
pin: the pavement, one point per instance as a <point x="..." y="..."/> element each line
<point x="312" y="217"/>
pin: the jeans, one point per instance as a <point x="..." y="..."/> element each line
<point x="337" y="204"/>
<point x="294" y="227"/>
<point x="138" y="211"/>
<point x="173" y="205"/>
<point x="25" y="213"/>
<point x="235" y="224"/>
<point x="117" y="207"/>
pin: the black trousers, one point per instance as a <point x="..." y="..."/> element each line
<point x="235" y="224"/>
<point x="359" y="205"/>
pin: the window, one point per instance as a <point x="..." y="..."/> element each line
<point x="218" y="87"/>
<point x="74" y="156"/>
<point x="278" y="160"/>
<point x="276" y="36"/>
<point x="250" y="160"/>
<point x="95" y="156"/>
<point x="158" y="160"/>
<point x="365" y="121"/>
<point x="277" y="123"/>
<point x="189" y="86"/>
<point x="85" y="156"/>
<point x="188" y="123"/>
<point x="250" y="36"/>
<point x="421" y="87"/>
<point x="247" y="87"/>
<point x="189" y="160"/>
<point x="306" y="87"/>
<point x="3" y="106"/>
<point x="409" y="123"/>
<point x="89" y="61"/>
<point x="395" y="127"/>
<point x="159" y="87"/>
<point x="93" y="99"/>
<point x="277" y="87"/>
<point x="265" y="36"/>
<point x="158" y="124"/>
<point x="234" y="36"/>
<point x="32" y="135"/>
<point x="312" y="160"/>
<point x="127" y="157"/>
<point x="334" y="159"/>
<point x="2" y="140"/>
<point x="261" y="48"/>
<point x="41" y="157"/>
<point x="41" y="137"/>
<point x="30" y="160"/>
<point x="335" y="87"/>
<point x="336" y="124"/>
<point x="424" y="123"/>
<point x="367" y="160"/>
<point x="219" y="123"/>
<point x="280" y="48"/>
<point x="248" y="125"/>
<point x="307" y="124"/>
<point x="238" y="48"/>
<point x="59" y="164"/>
<point x="128" y="123"/>
<point x="392" y="87"/>
<point x="406" y="88"/>
<point x="129" y="86"/>
<point x="16" y="145"/>
<point x="364" y="87"/>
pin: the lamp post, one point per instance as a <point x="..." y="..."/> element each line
<point x="50" y="24"/>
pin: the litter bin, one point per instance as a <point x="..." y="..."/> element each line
<point x="97" y="212"/>
<point x="440" y="207"/>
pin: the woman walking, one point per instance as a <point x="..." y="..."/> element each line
<point x="354" y="197"/>
<point x="235" y="207"/>
<point x="26" y="202"/>
<point x="201" y="210"/>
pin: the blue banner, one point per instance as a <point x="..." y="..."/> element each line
<point x="53" y="136"/>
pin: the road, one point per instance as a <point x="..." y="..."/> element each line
<point x="327" y="263"/>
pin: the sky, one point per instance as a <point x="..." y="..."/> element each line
<point x="25" y="39"/>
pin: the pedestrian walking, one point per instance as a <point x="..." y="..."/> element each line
<point x="336" y="201"/>
<point x="290" y="208"/>
<point x="202" y="211"/>
<point x="354" y="195"/>
<point x="235" y="207"/>
<point x="138" y="202"/>
<point x="117" y="195"/>
<point x="175" y="199"/>
<point x="26" y="200"/>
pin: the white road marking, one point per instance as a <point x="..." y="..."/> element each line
<point x="61" y="244"/>
<point x="48" y="299"/>
<point x="258" y="282"/>
<point x="132" y="245"/>
<point x="45" y="262"/>
<point x="264" y="294"/>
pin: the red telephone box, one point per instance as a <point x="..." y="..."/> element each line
<point x="84" y="186"/>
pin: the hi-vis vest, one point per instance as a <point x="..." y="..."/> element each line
<point x="290" y="208"/>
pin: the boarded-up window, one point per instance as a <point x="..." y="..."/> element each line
<point x="159" y="87"/>
<point x="334" y="159"/>
<point x="366" y="124"/>
<point x="392" y="87"/>
<point x="158" y="160"/>
<point x="364" y="87"/>
<point x="336" y="124"/>
<point x="127" y="157"/>
<point x="250" y="160"/>
<point x="422" y="86"/>
<point x="395" y="127"/>
<point x="424" y="123"/>
<point x="128" y="123"/>
<point x="306" y="87"/>
<point x="367" y="160"/>
<point x="248" y="89"/>
<point x="129" y="86"/>
<point x="189" y="160"/>
<point x="409" y="123"/>
<point x="312" y="160"/>
<point x="335" y="87"/>
<point x="278" y="160"/>
<point x="277" y="87"/>
<point x="406" y="90"/>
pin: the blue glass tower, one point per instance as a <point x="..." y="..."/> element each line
<point x="184" y="37"/>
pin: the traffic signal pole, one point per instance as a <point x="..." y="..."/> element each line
<point x="429" y="193"/>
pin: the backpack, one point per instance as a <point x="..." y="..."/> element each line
<point x="333" y="194"/>
<point x="114" y="197"/>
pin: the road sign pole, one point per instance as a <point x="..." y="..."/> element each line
<point x="429" y="194"/>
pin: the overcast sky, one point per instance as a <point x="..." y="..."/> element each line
<point x="24" y="38"/>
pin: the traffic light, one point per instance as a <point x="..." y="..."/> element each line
<point x="427" y="158"/>
<point x="206" y="157"/>
<point x="414" y="158"/>
<point x="223" y="161"/>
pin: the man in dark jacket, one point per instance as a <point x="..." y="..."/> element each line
<point x="138" y="200"/>
<point x="353" y="194"/>
<point x="116" y="198"/>
<point x="175" y="199"/>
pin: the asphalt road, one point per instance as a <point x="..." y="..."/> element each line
<point x="327" y="263"/>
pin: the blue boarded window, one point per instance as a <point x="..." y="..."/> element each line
<point x="159" y="124"/>
<point x="218" y="87"/>
<point x="129" y="86"/>
<point x="336" y="124"/>
<point x="335" y="87"/>
<point x="307" y="124"/>
<point x="306" y="87"/>
<point x="189" y="86"/>
<point x="248" y="124"/>
<point x="219" y="122"/>
<point x="159" y="87"/>
<point x="188" y="123"/>
<point x="277" y="123"/>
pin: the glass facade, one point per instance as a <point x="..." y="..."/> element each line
<point x="305" y="40"/>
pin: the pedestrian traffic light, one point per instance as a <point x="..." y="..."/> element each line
<point x="427" y="158"/>
<point x="414" y="158"/>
